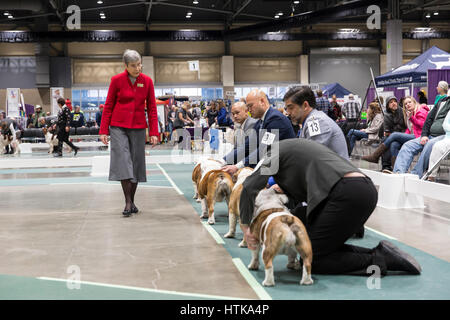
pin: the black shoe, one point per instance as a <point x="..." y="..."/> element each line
<point x="396" y="259"/>
<point x="75" y="151"/>
<point x="134" y="209"/>
<point x="360" y="233"/>
<point x="126" y="213"/>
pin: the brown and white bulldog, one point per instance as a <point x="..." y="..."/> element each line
<point x="279" y="232"/>
<point x="201" y="169"/>
<point x="233" y="210"/>
<point x="216" y="186"/>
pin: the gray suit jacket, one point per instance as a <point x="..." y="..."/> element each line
<point x="239" y="140"/>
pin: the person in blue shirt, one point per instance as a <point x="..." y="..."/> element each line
<point x="98" y="115"/>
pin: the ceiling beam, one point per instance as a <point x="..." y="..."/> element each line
<point x="241" y="8"/>
<point x="334" y="13"/>
<point x="149" y="10"/>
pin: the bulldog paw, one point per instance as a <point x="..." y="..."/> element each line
<point x="204" y="215"/>
<point x="198" y="200"/>
<point x="243" y="244"/>
<point x="268" y="283"/>
<point x="229" y="235"/>
<point x="294" y="265"/>
<point x="211" y="220"/>
<point x="307" y="280"/>
<point x="253" y="266"/>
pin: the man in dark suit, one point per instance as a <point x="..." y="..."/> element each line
<point x="271" y="127"/>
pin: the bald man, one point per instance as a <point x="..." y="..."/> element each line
<point x="243" y="123"/>
<point x="272" y="126"/>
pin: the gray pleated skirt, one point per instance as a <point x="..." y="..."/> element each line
<point x="127" y="154"/>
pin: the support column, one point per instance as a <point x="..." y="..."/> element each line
<point x="148" y="67"/>
<point x="394" y="39"/>
<point x="227" y="72"/>
<point x="303" y="69"/>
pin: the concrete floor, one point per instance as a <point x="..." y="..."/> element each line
<point x="48" y="223"/>
<point x="46" y="229"/>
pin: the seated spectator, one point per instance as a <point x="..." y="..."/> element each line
<point x="432" y="132"/>
<point x="48" y="114"/>
<point x="77" y="118"/>
<point x="98" y="115"/>
<point x="30" y="120"/>
<point x="42" y="123"/>
<point x="442" y="89"/>
<point x="414" y="116"/>
<point x="374" y="122"/>
<point x="422" y="97"/>
<point x="394" y="121"/>
<point x="322" y="102"/>
<point x="38" y="114"/>
<point x="440" y="148"/>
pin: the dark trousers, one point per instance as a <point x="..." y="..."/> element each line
<point x="63" y="136"/>
<point x="348" y="206"/>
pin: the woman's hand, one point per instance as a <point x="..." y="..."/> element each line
<point x="104" y="139"/>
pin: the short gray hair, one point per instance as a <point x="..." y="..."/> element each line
<point x="131" y="56"/>
<point x="443" y="85"/>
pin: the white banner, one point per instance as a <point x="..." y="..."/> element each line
<point x="55" y="94"/>
<point x="12" y="102"/>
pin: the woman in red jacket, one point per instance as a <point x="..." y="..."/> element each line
<point x="130" y="94"/>
<point x="414" y="115"/>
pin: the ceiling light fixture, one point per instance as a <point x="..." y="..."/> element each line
<point x="6" y="13"/>
<point x="99" y="2"/>
<point x="428" y="16"/>
<point x="296" y="2"/>
<point x="195" y="2"/>
<point x="280" y="13"/>
<point x="277" y="17"/>
<point x="10" y="17"/>
<point x="436" y="13"/>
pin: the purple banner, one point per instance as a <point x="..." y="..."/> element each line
<point x="434" y="76"/>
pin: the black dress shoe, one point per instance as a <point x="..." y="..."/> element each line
<point x="360" y="233"/>
<point x="398" y="260"/>
<point x="126" y="213"/>
<point x="134" y="209"/>
<point x="76" y="151"/>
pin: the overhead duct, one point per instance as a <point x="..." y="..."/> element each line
<point x="305" y="19"/>
<point x="30" y="5"/>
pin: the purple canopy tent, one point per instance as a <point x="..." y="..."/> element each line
<point x="434" y="76"/>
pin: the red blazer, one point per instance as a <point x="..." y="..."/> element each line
<point x="125" y="104"/>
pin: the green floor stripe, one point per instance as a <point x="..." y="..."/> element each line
<point x="433" y="283"/>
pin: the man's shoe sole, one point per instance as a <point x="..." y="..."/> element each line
<point x="410" y="262"/>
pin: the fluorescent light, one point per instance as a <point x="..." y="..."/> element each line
<point x="188" y="16"/>
<point x="428" y="16"/>
<point x="6" y="13"/>
<point x="277" y="17"/>
<point x="100" y="2"/>
<point x="348" y="30"/>
<point x="436" y="13"/>
<point x="195" y="2"/>
<point x="296" y="2"/>
<point x="10" y="17"/>
<point x="280" y="13"/>
<point x="423" y="30"/>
